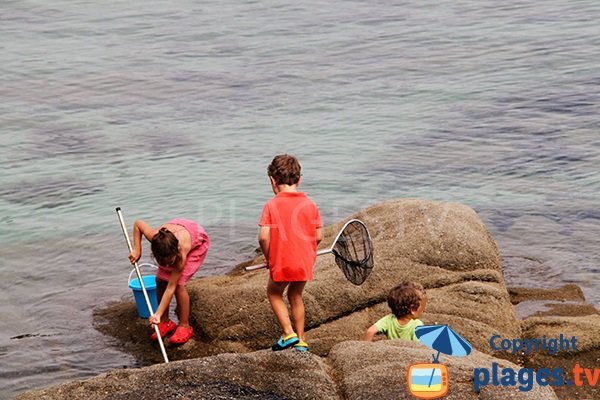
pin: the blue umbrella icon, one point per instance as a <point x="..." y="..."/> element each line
<point x="443" y="339"/>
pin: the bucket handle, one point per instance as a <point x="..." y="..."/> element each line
<point x="141" y="265"/>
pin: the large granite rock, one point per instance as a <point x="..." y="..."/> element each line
<point x="445" y="246"/>
<point x="259" y="375"/>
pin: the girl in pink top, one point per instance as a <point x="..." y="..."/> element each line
<point x="179" y="247"/>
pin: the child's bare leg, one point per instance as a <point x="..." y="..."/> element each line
<point x="183" y="306"/>
<point x="161" y="286"/>
<point x="275" y="296"/>
<point x="294" y="294"/>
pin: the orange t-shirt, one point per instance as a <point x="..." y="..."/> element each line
<point x="293" y="220"/>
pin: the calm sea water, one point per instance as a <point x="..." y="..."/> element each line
<point x="176" y="108"/>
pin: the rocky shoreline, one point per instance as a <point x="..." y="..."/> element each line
<point x="445" y="246"/>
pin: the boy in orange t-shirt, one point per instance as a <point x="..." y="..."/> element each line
<point x="290" y="229"/>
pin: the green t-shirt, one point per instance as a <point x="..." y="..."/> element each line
<point x="393" y="330"/>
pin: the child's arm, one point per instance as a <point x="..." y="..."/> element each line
<point x="167" y="295"/>
<point x="370" y="333"/>
<point x="184" y="247"/>
<point x="140" y="228"/>
<point x="264" y="240"/>
<point x="319" y="235"/>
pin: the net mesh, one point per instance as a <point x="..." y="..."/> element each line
<point x="354" y="252"/>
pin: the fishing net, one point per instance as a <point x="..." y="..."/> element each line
<point x="353" y="252"/>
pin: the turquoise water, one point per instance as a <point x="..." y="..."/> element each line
<point x="176" y="108"/>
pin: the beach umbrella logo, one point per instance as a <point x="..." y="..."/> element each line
<point x="444" y="340"/>
<point x="430" y="380"/>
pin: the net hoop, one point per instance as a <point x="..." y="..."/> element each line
<point x="353" y="251"/>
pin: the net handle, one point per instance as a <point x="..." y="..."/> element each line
<point x="322" y="251"/>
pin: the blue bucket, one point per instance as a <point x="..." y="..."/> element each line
<point x="150" y="285"/>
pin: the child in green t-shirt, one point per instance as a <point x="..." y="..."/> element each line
<point x="407" y="302"/>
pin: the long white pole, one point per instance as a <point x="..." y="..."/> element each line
<point x="139" y="275"/>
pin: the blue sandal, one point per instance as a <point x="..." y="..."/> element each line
<point x="301" y="346"/>
<point x="285" y="342"/>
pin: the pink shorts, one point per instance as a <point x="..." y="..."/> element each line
<point x="164" y="274"/>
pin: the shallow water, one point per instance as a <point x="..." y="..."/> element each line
<point x="169" y="110"/>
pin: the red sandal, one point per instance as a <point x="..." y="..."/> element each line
<point x="164" y="328"/>
<point x="182" y="335"/>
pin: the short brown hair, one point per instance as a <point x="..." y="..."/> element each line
<point x="164" y="246"/>
<point x="285" y="169"/>
<point x="405" y="297"/>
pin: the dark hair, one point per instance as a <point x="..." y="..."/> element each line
<point x="164" y="246"/>
<point x="405" y="297"/>
<point x="285" y="169"/>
